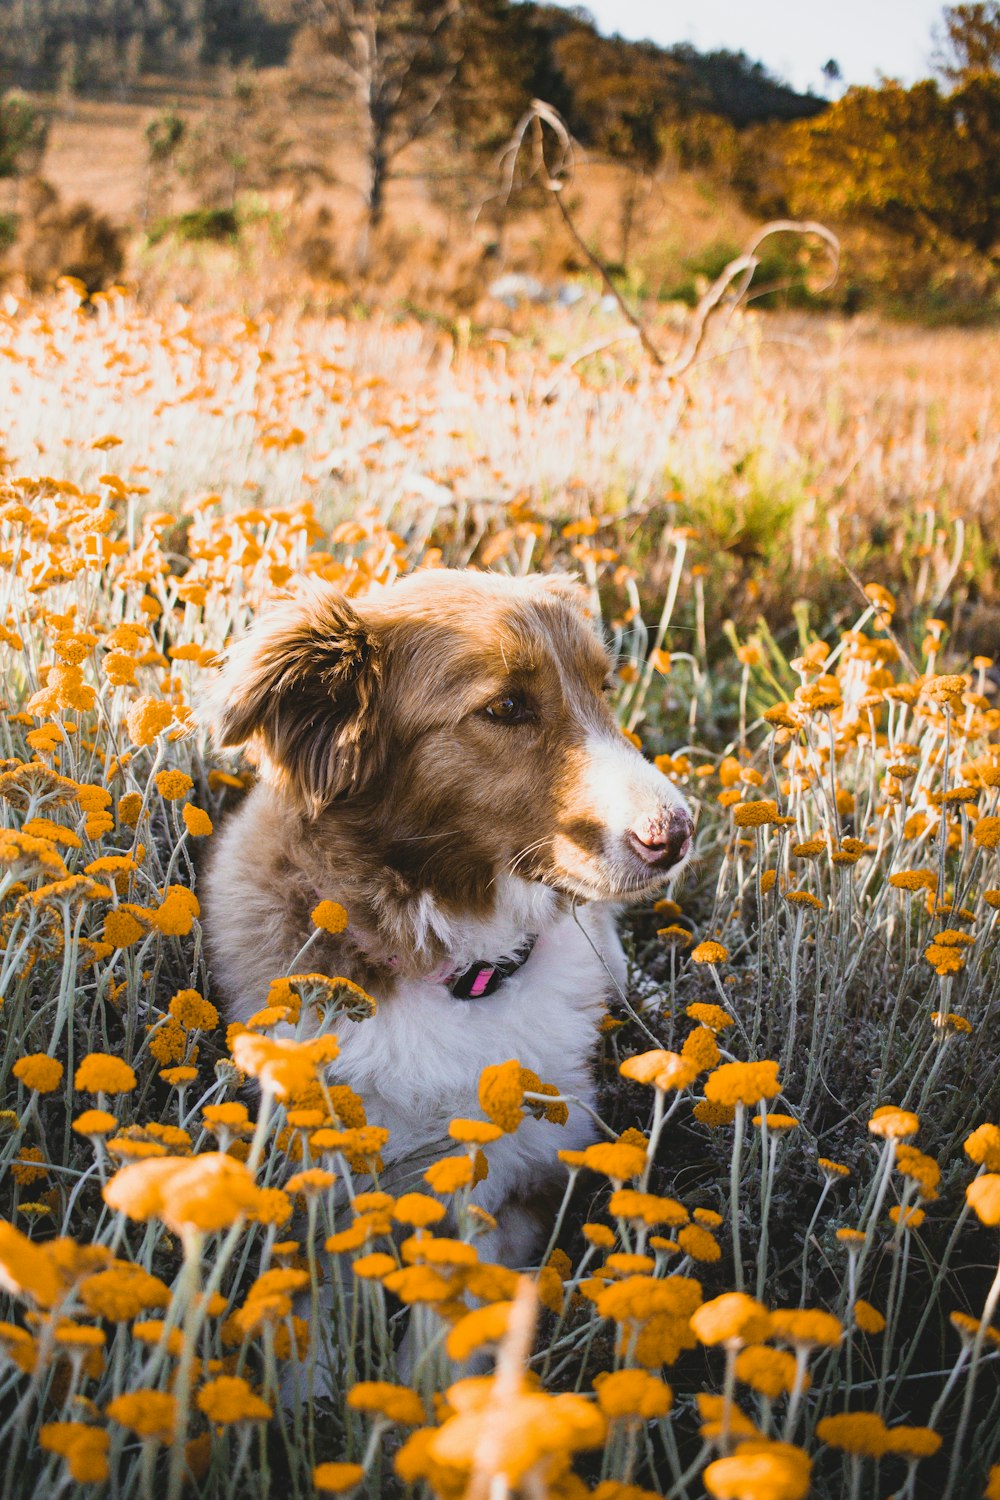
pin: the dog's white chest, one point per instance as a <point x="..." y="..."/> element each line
<point x="417" y="1062"/>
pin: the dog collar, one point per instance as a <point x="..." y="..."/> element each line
<point x="481" y="979"/>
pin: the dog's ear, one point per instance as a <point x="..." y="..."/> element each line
<point x="302" y="685"/>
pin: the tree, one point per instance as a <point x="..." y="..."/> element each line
<point x="969" y="42"/>
<point x="391" y="62"/>
<point x="916" y="161"/>
<point x="23" y="136"/>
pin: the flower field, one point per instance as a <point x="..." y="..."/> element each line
<point x="775" y="1271"/>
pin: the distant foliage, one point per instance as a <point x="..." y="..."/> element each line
<point x="23" y="133"/>
<point x="109" y="43"/>
<point x="912" y="160"/>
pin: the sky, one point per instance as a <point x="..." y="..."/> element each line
<point x="793" y="38"/>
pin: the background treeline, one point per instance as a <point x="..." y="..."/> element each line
<point x="318" y="96"/>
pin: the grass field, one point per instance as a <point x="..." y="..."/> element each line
<point x="775" y="1271"/>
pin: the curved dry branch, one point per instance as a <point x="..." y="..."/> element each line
<point x="728" y="290"/>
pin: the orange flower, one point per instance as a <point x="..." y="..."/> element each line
<point x="742" y="1083"/>
<point x="330" y="916"/>
<point x="733" y="1317"/>
<point x="99" y="1073"/>
<point x="759" y="1470"/>
<point x="196" y="821"/>
<point x="39" y="1072"/>
<point x="202" y="1193"/>
<point x="152" y="1415"/>
<point x="984" y="1196"/>
<point x="229" y="1399"/>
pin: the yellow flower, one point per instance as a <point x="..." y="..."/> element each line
<point x="712" y="1016"/>
<point x="484" y="1325"/>
<point x="449" y="1174"/>
<point x="984" y="1196"/>
<point x="615" y="1159"/>
<point x="530" y="1426"/>
<point x="203" y="1193"/>
<point x="627" y="1203"/>
<point x="697" y="1242"/>
<point x="776" y="1122"/>
<point x="665" y="1070"/>
<point x="804" y="898"/>
<point x="373" y="1267"/>
<point x="733" y="1317"/>
<point x="173" y="785"/>
<point x="983" y="1147"/>
<point x="334" y="1479"/>
<point x="283" y="1066"/>
<point x="231" y="1116"/>
<point x="178" y="1077"/>
<point x="742" y="1083"/>
<point x="330" y="916"/>
<point x="175" y="915"/>
<point x="84" y="1448"/>
<point x="599" y="1235"/>
<point x="122" y="1292"/>
<point x="861" y="1432"/>
<point x="100" y="1073"/>
<point x="396" y="1402"/>
<point x="832" y="1169"/>
<point x="26" y="1269"/>
<point x="417" y="1284"/>
<point x="868" y="1318"/>
<point x="229" y="1399"/>
<point x="196" y="821"/>
<point x="710" y="1112"/>
<point x="501" y="1094"/>
<point x="474" y="1132"/>
<point x="632" y="1394"/>
<point x="39" y="1072"/>
<point x="94" y="1122"/>
<point x="944" y="959"/>
<point x="147" y="718"/>
<point x="715" y="1417"/>
<point x="122" y="927"/>
<point x="314" y="1180"/>
<point x="986" y="833"/>
<point x="754" y="814"/>
<point x="892" y="1123"/>
<point x="192" y="1012"/>
<point x="769" y="1371"/>
<point x="701" y="1048"/>
<point x="806" y="1325"/>
<point x="638" y="1298"/>
<point x="912" y="1443"/>
<point x="418" y="1210"/>
<point x="950" y="1022"/>
<point x="152" y="1415"/>
<point x="710" y="952"/>
<point x="759" y="1470"/>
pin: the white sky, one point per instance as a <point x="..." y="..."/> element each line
<point x="793" y="38"/>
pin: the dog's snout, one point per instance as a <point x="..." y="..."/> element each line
<point x="662" y="840"/>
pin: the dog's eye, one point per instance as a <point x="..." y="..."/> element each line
<point x="508" y="708"/>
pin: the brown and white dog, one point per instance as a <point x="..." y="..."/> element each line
<point x="438" y="756"/>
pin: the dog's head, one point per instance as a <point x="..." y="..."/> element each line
<point x="458" y="723"/>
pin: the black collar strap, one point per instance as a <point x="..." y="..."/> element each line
<point x="481" y="979"/>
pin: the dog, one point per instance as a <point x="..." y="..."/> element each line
<point x="440" y="758"/>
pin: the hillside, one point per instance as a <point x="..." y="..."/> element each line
<point x="373" y="170"/>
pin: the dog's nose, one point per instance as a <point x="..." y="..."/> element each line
<point x="664" y="839"/>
